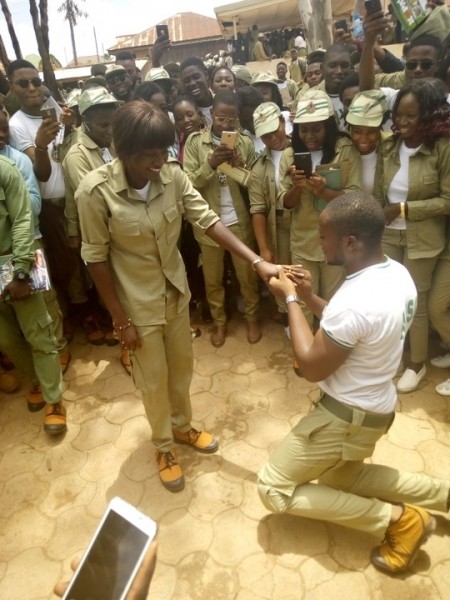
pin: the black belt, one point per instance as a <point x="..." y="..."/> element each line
<point x="345" y="412"/>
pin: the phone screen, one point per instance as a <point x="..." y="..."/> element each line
<point x="303" y="162"/>
<point x="111" y="561"/>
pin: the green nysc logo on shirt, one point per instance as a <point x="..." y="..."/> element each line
<point x="407" y="317"/>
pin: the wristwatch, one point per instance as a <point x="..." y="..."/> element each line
<point x="291" y="298"/>
<point x="21" y="275"/>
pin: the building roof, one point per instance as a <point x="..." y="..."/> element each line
<point x="83" y="61"/>
<point x="183" y="27"/>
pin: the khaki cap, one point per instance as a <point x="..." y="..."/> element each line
<point x="114" y="69"/>
<point x="314" y="106"/>
<point x="266" y="118"/>
<point x="264" y="78"/>
<point x="367" y="109"/>
<point x="241" y="72"/>
<point x="72" y="97"/>
<point x="158" y="74"/>
<point x="94" y="97"/>
<point x="437" y="24"/>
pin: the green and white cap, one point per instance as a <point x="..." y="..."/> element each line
<point x="72" y="97"/>
<point x="264" y="78"/>
<point x="241" y="72"/>
<point x="314" y="106"/>
<point x="367" y="109"/>
<point x="158" y="74"/>
<point x="94" y="97"/>
<point x="266" y="118"/>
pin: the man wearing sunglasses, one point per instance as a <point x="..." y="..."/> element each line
<point x="119" y="82"/>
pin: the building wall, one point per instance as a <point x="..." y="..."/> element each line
<point x="178" y="52"/>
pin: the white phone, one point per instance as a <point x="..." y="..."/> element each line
<point x="114" y="554"/>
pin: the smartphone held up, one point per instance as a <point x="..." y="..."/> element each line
<point x="303" y="162"/>
<point x="114" y="555"/>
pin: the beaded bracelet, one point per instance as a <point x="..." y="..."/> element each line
<point x="257" y="261"/>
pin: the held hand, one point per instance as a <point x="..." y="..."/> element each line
<point x="281" y="286"/>
<point x="391" y="212"/>
<point x="340" y="36"/>
<point x="220" y="155"/>
<point x="16" y="290"/>
<point x="237" y="160"/>
<point x="46" y="133"/>
<point x="266" y="270"/>
<point x="267" y="255"/>
<point x="160" y="46"/>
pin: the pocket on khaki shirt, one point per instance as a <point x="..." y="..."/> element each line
<point x="124" y="227"/>
<point x="172" y="217"/>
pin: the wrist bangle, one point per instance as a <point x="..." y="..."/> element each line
<point x="291" y="298"/>
<point x="41" y="148"/>
<point x="257" y="261"/>
<point x="402" y="210"/>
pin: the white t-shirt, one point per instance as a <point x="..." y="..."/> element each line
<point x="299" y="42"/>
<point x="338" y="109"/>
<point x="369" y="164"/>
<point x="399" y="186"/>
<point x="258" y="144"/>
<point x="370" y="314"/>
<point x="275" y="157"/>
<point x="23" y="129"/>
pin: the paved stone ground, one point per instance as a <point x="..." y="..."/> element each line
<point x="216" y="539"/>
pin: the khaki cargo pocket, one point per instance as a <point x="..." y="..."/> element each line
<point x="124" y="228"/>
<point x="172" y="217"/>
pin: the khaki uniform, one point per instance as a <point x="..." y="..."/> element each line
<point x="26" y="327"/>
<point x="305" y="246"/>
<point x="428" y="202"/>
<point x="138" y="240"/>
<point x="439" y="298"/>
<point x="296" y="69"/>
<point x="263" y="199"/>
<point x="83" y="157"/>
<point x="199" y="147"/>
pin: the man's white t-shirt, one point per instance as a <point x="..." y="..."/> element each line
<point x="370" y="314"/>
<point x="22" y="130"/>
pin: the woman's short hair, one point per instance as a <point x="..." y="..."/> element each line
<point x="138" y="126"/>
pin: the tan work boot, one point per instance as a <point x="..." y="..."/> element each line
<point x="200" y="440"/>
<point x="55" y="419"/>
<point x="218" y="335"/>
<point x="403" y="540"/>
<point x="254" y="332"/>
<point x="170" y="472"/>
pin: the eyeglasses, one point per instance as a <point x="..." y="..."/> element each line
<point x="24" y="83"/>
<point x="425" y="64"/>
<point x="220" y="120"/>
<point x="112" y="79"/>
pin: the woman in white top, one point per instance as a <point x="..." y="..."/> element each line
<point x="413" y="185"/>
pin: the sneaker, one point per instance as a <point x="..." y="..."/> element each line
<point x="410" y="380"/>
<point x="35" y="400"/>
<point x="55" y="419"/>
<point x="170" y="472"/>
<point x="443" y="388"/>
<point x="403" y="540"/>
<point x="443" y="362"/>
<point x="200" y="440"/>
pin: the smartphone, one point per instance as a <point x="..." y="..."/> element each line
<point x="114" y="554"/>
<point x="373" y="6"/>
<point x="303" y="162"/>
<point x="228" y="138"/>
<point x="162" y="31"/>
<point x="49" y="113"/>
<point x="342" y="24"/>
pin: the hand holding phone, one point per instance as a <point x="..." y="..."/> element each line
<point x="303" y="162"/>
<point x="373" y="6"/>
<point x="49" y="113"/>
<point x="112" y="560"/>
<point x="342" y="24"/>
<point x="162" y="32"/>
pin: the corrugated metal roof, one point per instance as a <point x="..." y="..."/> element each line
<point x="183" y="27"/>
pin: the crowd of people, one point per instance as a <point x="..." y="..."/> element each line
<point x="338" y="165"/>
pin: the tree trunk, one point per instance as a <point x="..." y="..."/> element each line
<point x="4" y="60"/>
<point x="72" y="37"/>
<point x="43" y="11"/>
<point x="12" y="32"/>
<point x="49" y="75"/>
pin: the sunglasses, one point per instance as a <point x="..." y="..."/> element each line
<point x="24" y="83"/>
<point x="112" y="79"/>
<point x="425" y="64"/>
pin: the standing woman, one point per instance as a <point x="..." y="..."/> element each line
<point x="414" y="189"/>
<point x="130" y="216"/>
<point x="270" y="220"/>
<point x="223" y="78"/>
<point x="316" y="132"/>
